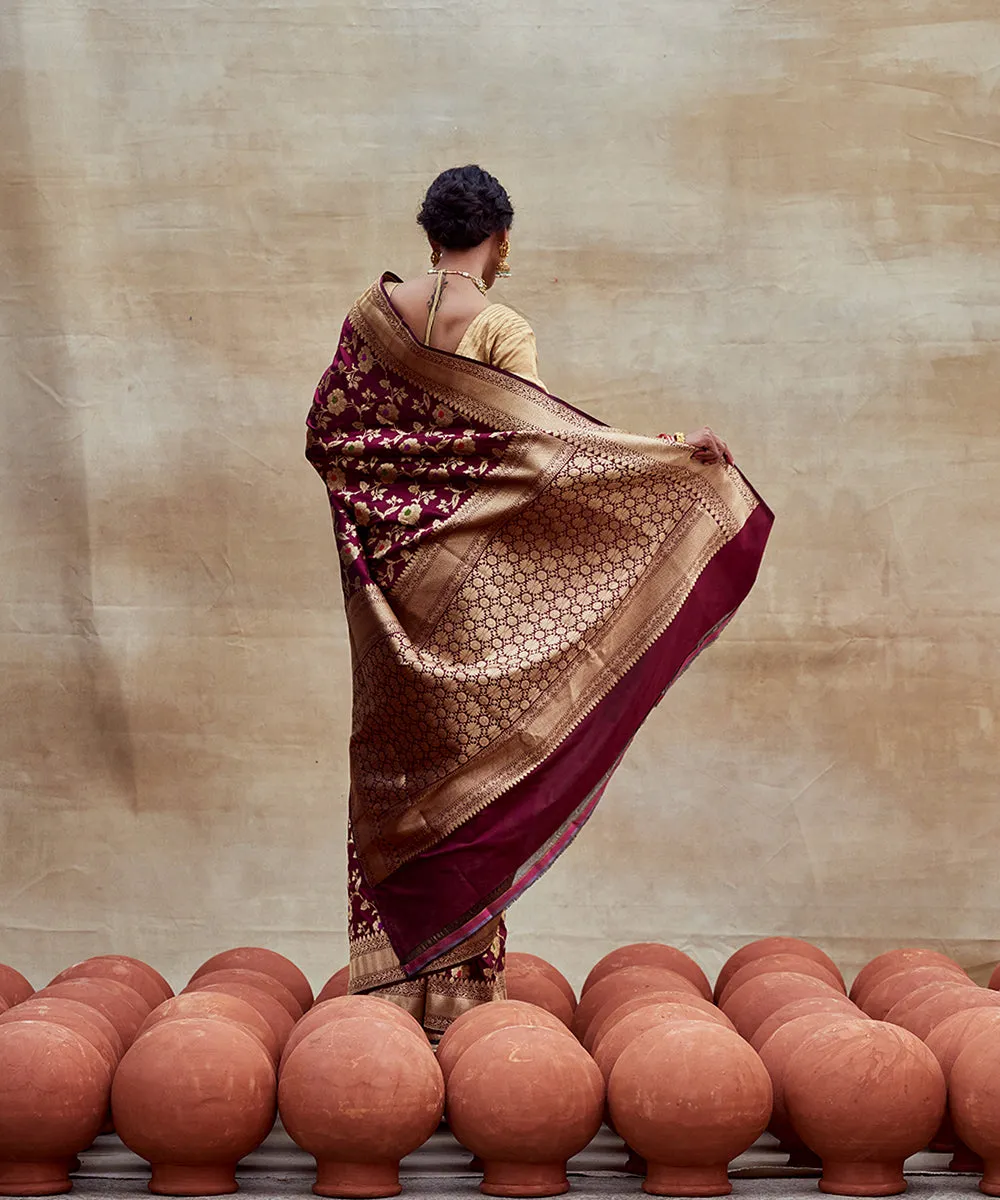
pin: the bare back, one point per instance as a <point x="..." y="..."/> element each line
<point x="459" y="303"/>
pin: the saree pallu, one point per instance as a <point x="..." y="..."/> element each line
<point x="522" y="584"/>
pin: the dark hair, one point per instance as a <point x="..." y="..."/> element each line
<point x="463" y="207"/>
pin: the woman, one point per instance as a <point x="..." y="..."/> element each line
<point x="522" y="584"/>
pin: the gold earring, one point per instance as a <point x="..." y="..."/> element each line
<point x="435" y="257"/>
<point x="503" y="266"/>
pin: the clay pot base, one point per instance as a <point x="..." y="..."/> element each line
<point x="188" y="1179"/>
<point x="664" y="1180"/>
<point x="989" y="1185"/>
<point x="524" y="1179"/>
<point x="34" y="1178"/>
<point x="357" y="1179"/>
<point x="965" y="1161"/>
<point x="635" y="1164"/>
<point x="803" y="1158"/>
<point x="862" y="1178"/>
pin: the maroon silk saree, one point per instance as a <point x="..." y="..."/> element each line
<point x="522" y="584"/>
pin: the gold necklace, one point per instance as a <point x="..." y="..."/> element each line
<point x="480" y="283"/>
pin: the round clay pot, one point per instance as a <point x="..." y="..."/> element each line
<point x="273" y="1011"/>
<point x="83" y="1020"/>
<point x="864" y="1095"/>
<point x="14" y="988"/>
<point x="974" y="1103"/>
<point x="773" y="945"/>
<point x="649" y="954"/>
<point x="627" y="1028"/>
<point x="488" y="1018"/>
<point x="339" y="984"/>
<point x="193" y="1096"/>
<point x="775" y="1054"/>
<point x="523" y="962"/>
<point x="624" y="984"/>
<point x="341" y="1008"/>
<point x="899" y="1013"/>
<point x="689" y="1096"/>
<point x="256" y="958"/>
<point x="129" y="971"/>
<point x="53" y="1098"/>
<point x="840" y="1005"/>
<point x="257" y="979"/>
<point x="616" y="1010"/>
<point x="216" y="1005"/>
<point x="532" y="987"/>
<point x="360" y="1094"/>
<point x="768" y="964"/>
<point x="750" y="1005"/>
<point x="920" y="1018"/>
<point x="524" y="1100"/>
<point x="893" y="961"/>
<point x="890" y="989"/>
<point x="121" y="1004"/>
<point x="946" y="1041"/>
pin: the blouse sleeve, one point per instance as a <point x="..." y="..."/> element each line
<point x="511" y="344"/>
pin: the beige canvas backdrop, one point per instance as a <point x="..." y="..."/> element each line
<point x="778" y="218"/>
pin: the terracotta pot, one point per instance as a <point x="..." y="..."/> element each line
<point x="531" y="962"/>
<point x="893" y="961"/>
<point x="338" y="984"/>
<point x="775" y="1054"/>
<point x="890" y="989"/>
<point x="129" y="971"/>
<point x="257" y="979"/>
<point x="83" y="1020"/>
<point x="773" y="945"/>
<point x="616" y="1010"/>
<point x="920" y="1018"/>
<point x="485" y="1019"/>
<point x="273" y="1011"/>
<point x="532" y="987"/>
<point x="524" y="1100"/>
<point x="689" y="1097"/>
<point x="342" y="1008"/>
<point x="839" y="1005"/>
<point x="635" y="1024"/>
<point x="53" y="1097"/>
<point x="14" y="988"/>
<point x="974" y="1103"/>
<point x="121" y="1004"/>
<point x="256" y="958"/>
<point x="624" y="984"/>
<point x="750" y="1005"/>
<point x="949" y="1037"/>
<point x="899" y="1013"/>
<point x="768" y="964"/>
<point x="864" y="1096"/>
<point x="216" y="1005"/>
<point x="946" y="1041"/>
<point x="193" y="1096"/>
<point x="649" y="954"/>
<point x="360" y="1094"/>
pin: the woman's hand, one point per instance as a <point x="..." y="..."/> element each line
<point x="708" y="446"/>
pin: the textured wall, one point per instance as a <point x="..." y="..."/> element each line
<point x="778" y="217"/>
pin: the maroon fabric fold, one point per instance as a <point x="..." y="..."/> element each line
<point x="481" y="867"/>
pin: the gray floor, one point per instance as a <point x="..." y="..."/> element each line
<point x="441" y="1168"/>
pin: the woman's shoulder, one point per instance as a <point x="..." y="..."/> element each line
<point x="502" y="319"/>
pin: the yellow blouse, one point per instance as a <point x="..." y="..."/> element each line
<point x="503" y="338"/>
